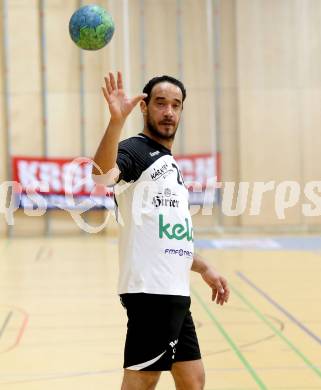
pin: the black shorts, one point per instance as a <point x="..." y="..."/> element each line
<point x="160" y="331"/>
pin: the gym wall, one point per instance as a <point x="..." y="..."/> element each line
<point x="251" y="69"/>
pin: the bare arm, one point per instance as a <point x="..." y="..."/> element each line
<point x="105" y="170"/>
<point x="217" y="283"/>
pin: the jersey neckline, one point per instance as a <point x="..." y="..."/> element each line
<point x="155" y="143"/>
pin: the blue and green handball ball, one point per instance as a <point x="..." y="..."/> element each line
<point x="91" y="27"/>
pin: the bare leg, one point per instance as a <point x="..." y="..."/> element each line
<point x="140" y="380"/>
<point x="189" y="375"/>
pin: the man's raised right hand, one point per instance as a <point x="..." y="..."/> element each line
<point x="120" y="106"/>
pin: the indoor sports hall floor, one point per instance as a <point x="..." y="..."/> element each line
<point x="62" y="326"/>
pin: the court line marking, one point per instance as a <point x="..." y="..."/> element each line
<point x="21" y="332"/>
<point x="271" y="388"/>
<point x="248" y="344"/>
<point x="6" y="321"/>
<point x="234" y="347"/>
<point x="260" y="368"/>
<point x="26" y="375"/>
<point x="50" y="377"/>
<point x="22" y="329"/>
<point x="280" y="334"/>
<point x="278" y="306"/>
<point x="46" y="377"/>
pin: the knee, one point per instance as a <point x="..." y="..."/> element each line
<point x="195" y="381"/>
<point x="143" y="385"/>
<point x="199" y="380"/>
<point x="150" y="383"/>
<point x="139" y="380"/>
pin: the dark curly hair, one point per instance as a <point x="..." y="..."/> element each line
<point x="159" y="79"/>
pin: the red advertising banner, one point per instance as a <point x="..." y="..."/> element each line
<point x="49" y="176"/>
<point x="60" y="176"/>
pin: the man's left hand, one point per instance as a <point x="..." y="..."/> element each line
<point x="218" y="284"/>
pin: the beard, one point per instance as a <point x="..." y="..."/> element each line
<point x="154" y="130"/>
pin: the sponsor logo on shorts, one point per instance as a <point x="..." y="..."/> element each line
<point x="172" y="345"/>
<point x="179" y="252"/>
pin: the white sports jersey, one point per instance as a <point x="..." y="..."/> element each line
<point x="156" y="235"/>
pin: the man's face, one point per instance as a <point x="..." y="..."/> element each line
<point x="164" y="110"/>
